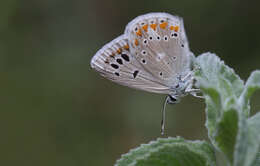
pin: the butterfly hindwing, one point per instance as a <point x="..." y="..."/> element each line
<point x="115" y="62"/>
<point x="158" y="42"/>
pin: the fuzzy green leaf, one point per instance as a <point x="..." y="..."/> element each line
<point x="170" y="151"/>
<point x="248" y="143"/>
<point x="226" y="132"/>
<point x="221" y="88"/>
<point x="216" y="74"/>
<point x="257" y="159"/>
<point x="252" y="84"/>
<point x="227" y="101"/>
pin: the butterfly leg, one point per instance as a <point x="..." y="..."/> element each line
<point x="188" y="77"/>
<point x="168" y="100"/>
<point x="195" y="94"/>
<point x="193" y="91"/>
<point x="163" y="116"/>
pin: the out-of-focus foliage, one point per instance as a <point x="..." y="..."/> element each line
<point x="55" y="110"/>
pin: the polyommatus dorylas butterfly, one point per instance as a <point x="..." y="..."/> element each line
<point x="152" y="55"/>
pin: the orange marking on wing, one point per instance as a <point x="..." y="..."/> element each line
<point x="171" y="27"/>
<point x="126" y="47"/>
<point x="163" y="25"/>
<point x="119" y="51"/>
<point x="176" y="28"/>
<point x="145" y="27"/>
<point x="112" y="55"/>
<point x="136" y="42"/>
<point x="153" y="26"/>
<point x="139" y="32"/>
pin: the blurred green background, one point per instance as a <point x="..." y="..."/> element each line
<point x="56" y="111"/>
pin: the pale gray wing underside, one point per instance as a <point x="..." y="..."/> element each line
<point x="115" y="62"/>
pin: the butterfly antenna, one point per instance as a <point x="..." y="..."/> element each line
<point x="163" y="115"/>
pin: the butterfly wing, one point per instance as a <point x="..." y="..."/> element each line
<point x="115" y="62"/>
<point x="158" y="42"/>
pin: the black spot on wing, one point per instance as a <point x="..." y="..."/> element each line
<point x="115" y="66"/>
<point x="135" y="73"/>
<point x="116" y="73"/>
<point x="119" y="61"/>
<point x="125" y="57"/>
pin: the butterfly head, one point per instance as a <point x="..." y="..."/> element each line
<point x="182" y="87"/>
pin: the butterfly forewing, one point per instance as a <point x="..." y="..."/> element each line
<point x="115" y="62"/>
<point x="158" y="42"/>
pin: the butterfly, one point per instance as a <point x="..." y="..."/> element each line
<point x="152" y="55"/>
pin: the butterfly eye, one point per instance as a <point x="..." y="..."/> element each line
<point x="177" y="86"/>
